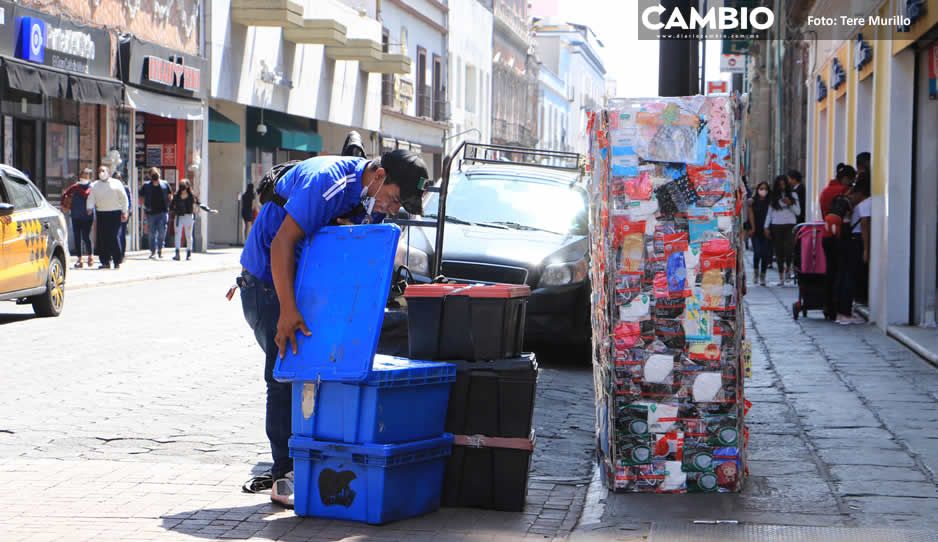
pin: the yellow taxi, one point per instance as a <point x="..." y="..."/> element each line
<point x="33" y="246"/>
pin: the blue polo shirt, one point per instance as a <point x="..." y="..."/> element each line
<point x="318" y="191"/>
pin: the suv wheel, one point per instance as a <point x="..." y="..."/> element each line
<point x="52" y="301"/>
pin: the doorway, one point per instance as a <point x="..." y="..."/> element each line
<point x="26" y="150"/>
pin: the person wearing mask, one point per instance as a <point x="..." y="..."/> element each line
<point x="300" y="198"/>
<point x="185" y="205"/>
<point x="837" y="186"/>
<point x="353" y="145"/>
<point x="797" y="186"/>
<point x="853" y="251"/>
<point x="75" y="201"/>
<point x="249" y="208"/>
<point x="780" y="223"/>
<point x="109" y="202"/>
<point x="761" y="247"/>
<point x="155" y="196"/>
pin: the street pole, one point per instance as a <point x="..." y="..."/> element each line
<point x="677" y="57"/>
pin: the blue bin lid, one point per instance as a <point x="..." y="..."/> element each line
<point x="342" y="282"/>
<point x="390" y="371"/>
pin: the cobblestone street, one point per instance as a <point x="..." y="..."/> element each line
<point x="844" y="433"/>
<point x="138" y="414"/>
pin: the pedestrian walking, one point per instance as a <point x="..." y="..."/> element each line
<point x="249" y="208"/>
<point x="300" y="198"/>
<point x="837" y="187"/>
<point x="780" y="224"/>
<point x="797" y="186"/>
<point x="853" y="250"/>
<point x="156" y="196"/>
<point x="75" y="201"/>
<point x="122" y="233"/>
<point x="185" y="205"/>
<point x="109" y="202"/>
<point x="761" y="247"/>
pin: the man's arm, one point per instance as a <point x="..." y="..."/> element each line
<point x="283" y="268"/>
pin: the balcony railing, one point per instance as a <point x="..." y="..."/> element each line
<point x="513" y="20"/>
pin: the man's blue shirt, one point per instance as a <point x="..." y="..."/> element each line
<point x="318" y="191"/>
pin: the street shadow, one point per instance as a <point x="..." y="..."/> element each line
<point x="577" y="357"/>
<point x="14" y="318"/>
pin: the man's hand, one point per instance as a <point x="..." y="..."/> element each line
<point x="866" y="255"/>
<point x="124" y="217"/>
<point x="768" y="234"/>
<point x="290" y="322"/>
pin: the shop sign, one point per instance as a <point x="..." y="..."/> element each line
<point x="715" y="87"/>
<point x="838" y="74"/>
<point x="57" y="43"/>
<point x="933" y="73"/>
<point x="821" y="89"/>
<point x="169" y="155"/>
<point x="154" y="155"/>
<point x="733" y="63"/>
<point x="31" y="45"/>
<point x="863" y="53"/>
<point x="173" y="73"/>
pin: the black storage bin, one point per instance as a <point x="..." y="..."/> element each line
<point x="494" y="399"/>
<point x="489" y="478"/>
<point x="476" y="322"/>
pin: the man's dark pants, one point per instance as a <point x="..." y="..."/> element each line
<point x="262" y="311"/>
<point x="109" y="222"/>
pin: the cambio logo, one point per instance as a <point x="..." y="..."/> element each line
<point x="721" y="18"/>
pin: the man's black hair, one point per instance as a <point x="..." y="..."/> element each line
<point x="795" y="174"/>
<point x="863" y="161"/>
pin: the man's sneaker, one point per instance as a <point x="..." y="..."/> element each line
<point x="282" y="492"/>
<point x="153" y="255"/>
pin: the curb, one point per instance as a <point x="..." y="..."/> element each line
<point x="913" y="345"/>
<point x="186" y="273"/>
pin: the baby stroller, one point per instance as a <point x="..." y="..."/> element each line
<point x="810" y="268"/>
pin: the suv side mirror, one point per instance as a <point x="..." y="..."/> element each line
<point x="6" y="209"/>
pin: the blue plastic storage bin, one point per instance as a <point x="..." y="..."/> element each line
<point x="342" y="282"/>
<point x="402" y="400"/>
<point x="371" y="483"/>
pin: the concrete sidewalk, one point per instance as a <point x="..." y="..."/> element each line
<point x="138" y="267"/>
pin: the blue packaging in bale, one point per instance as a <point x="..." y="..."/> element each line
<point x="402" y="400"/>
<point x="342" y="282"/>
<point x="371" y="483"/>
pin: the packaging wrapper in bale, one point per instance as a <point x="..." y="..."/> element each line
<point x="668" y="327"/>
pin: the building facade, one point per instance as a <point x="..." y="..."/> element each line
<point x="415" y="110"/>
<point x="571" y="55"/>
<point x="470" y="72"/>
<point x="514" y="76"/>
<point x="877" y="93"/>
<point x="106" y="82"/>
<point x="288" y="81"/>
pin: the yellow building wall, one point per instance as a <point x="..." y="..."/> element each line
<point x="881" y="109"/>
<point x="851" y="86"/>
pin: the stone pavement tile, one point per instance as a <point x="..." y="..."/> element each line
<point x="909" y="506"/>
<point x="864" y="454"/>
<point x="885" y="488"/>
<point x="876" y="473"/>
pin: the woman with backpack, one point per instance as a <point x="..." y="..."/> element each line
<point x="780" y="221"/>
<point x="75" y="201"/>
<point x="835" y="208"/>
<point x="761" y="246"/>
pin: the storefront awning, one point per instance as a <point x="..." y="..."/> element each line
<point x="95" y="90"/>
<point x="163" y="105"/>
<point x="54" y="83"/>
<point x="297" y="140"/>
<point x="221" y="129"/>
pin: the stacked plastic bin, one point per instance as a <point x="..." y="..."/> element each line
<point x="368" y="438"/>
<point x="491" y="407"/>
<point x="667" y="285"/>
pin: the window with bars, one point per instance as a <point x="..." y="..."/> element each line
<point x="387" y="79"/>
<point x="439" y="100"/>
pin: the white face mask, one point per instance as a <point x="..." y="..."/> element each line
<point x="369" y="201"/>
<point x="103" y="176"/>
